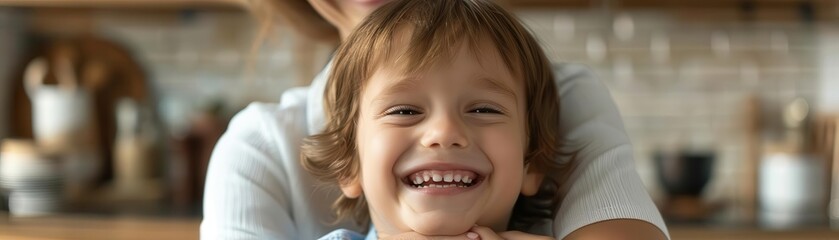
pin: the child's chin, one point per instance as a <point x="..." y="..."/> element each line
<point x="442" y="228"/>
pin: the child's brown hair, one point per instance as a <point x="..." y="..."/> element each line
<point x="437" y="28"/>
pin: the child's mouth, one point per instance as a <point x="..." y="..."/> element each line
<point x="442" y="179"/>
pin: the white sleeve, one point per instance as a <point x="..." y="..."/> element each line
<point x="244" y="195"/>
<point x="603" y="184"/>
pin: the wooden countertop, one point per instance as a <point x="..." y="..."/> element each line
<point x="94" y="228"/>
<point x="97" y="227"/>
<point x="697" y="233"/>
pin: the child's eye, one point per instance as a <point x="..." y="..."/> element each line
<point x="486" y="109"/>
<point x="402" y="110"/>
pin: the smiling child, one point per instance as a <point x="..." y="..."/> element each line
<point x="442" y="116"/>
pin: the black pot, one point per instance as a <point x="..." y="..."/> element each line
<point x="685" y="173"/>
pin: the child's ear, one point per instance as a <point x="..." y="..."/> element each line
<point x="531" y="182"/>
<point x="351" y="187"/>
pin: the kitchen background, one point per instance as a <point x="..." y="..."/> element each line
<point x="731" y="105"/>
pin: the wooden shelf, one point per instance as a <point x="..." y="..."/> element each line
<point x="517" y="3"/>
<point x="148" y="4"/>
<point x="660" y="4"/>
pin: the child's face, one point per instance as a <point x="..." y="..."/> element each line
<point x="444" y="150"/>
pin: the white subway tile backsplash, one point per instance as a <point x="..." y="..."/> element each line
<point x="691" y="86"/>
<point x="676" y="83"/>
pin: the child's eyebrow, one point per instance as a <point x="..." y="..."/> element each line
<point x="495" y="85"/>
<point x="399" y="86"/>
<point x="482" y="82"/>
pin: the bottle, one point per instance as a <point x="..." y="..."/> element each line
<point x="791" y="177"/>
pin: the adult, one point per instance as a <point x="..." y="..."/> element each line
<point x="256" y="187"/>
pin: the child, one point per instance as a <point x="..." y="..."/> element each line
<point x="442" y="116"/>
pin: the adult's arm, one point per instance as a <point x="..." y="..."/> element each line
<point x="603" y="190"/>
<point x="243" y="196"/>
<point x="626" y="229"/>
<point x="256" y="187"/>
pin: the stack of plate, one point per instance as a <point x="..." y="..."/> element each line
<point x="33" y="196"/>
<point x="32" y="181"/>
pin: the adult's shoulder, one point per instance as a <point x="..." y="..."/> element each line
<point x="252" y="170"/>
<point x="603" y="184"/>
<point x="270" y="120"/>
<point x="590" y="123"/>
<point x="269" y="130"/>
<point x="566" y="74"/>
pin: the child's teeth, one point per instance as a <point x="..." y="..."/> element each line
<point x="442" y="179"/>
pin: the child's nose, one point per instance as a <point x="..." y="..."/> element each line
<point x="445" y="132"/>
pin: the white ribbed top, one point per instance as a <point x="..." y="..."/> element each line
<point x="257" y="189"/>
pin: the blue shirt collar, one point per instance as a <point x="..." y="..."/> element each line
<point x="371" y="235"/>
